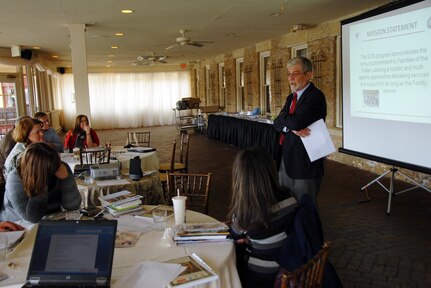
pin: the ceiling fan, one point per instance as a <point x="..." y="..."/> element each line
<point x="151" y="59"/>
<point x="184" y="40"/>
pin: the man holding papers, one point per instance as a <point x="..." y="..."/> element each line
<point x="304" y="106"/>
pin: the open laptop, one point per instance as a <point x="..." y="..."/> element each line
<point x="72" y="254"/>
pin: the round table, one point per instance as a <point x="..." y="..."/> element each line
<point x="220" y="256"/>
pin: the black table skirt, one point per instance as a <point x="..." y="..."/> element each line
<point x="242" y="133"/>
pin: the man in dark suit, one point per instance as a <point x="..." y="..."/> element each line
<point x="295" y="170"/>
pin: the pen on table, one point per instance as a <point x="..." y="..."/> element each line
<point x="196" y="257"/>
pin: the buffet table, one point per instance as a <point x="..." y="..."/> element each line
<point x="242" y="131"/>
<point x="219" y="255"/>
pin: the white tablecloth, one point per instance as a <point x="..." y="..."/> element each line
<point x="149" y="160"/>
<point x="220" y="256"/>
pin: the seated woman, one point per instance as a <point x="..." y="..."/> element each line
<point x="81" y="135"/>
<point x="27" y="131"/>
<point x="40" y="185"/>
<point x="259" y="216"/>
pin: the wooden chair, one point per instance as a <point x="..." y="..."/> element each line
<point x="94" y="156"/>
<point x="182" y="164"/>
<point x="164" y="174"/>
<point x="195" y="186"/>
<point x="141" y="139"/>
<point x="309" y="275"/>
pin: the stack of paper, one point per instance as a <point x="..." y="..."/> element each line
<point x="201" y="232"/>
<point x="121" y="202"/>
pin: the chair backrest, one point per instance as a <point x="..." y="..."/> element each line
<point x="139" y="138"/>
<point x="309" y="275"/>
<point x="194" y="186"/>
<point x="91" y="156"/>
<point x="184" y="150"/>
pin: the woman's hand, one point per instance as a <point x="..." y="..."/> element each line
<point x="87" y="129"/>
<point x="62" y="172"/>
<point x="241" y="241"/>
<point x="10" y="226"/>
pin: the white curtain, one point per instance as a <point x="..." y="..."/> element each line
<point x="123" y="100"/>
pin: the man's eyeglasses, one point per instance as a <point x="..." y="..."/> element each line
<point x="295" y="74"/>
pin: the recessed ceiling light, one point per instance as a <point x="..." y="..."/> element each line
<point x="54" y="56"/>
<point x="127" y="11"/>
<point x="109" y="61"/>
<point x="119" y="34"/>
<point x="36" y="47"/>
<point x="276" y="14"/>
<point x="114" y="47"/>
<point x="112" y="55"/>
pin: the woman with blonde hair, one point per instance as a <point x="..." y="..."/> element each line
<point x="81" y="136"/>
<point x="40" y="185"/>
<point x="27" y="131"/>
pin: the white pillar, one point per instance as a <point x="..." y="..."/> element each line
<point x="79" y="67"/>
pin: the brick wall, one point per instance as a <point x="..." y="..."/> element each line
<point x="321" y="42"/>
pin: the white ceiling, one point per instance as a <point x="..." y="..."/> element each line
<point x="155" y="25"/>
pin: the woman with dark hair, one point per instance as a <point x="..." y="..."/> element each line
<point x="40" y="185"/>
<point x="259" y="216"/>
<point x="26" y="131"/>
<point x="81" y="135"/>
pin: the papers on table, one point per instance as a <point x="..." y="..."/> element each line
<point x="131" y="223"/>
<point x="318" y="144"/>
<point x="113" y="182"/>
<point x="150" y="274"/>
<point x="13" y="237"/>
<point x="141" y="149"/>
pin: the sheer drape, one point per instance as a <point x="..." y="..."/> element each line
<point x="121" y="100"/>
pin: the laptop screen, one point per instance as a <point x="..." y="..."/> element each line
<point x="73" y="252"/>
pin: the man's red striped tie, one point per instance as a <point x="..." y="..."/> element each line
<point x="291" y="110"/>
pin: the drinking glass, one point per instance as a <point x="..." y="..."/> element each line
<point x="160" y="217"/>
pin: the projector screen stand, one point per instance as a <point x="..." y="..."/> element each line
<point x="391" y="191"/>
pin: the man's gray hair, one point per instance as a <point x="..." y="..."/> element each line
<point x="305" y="63"/>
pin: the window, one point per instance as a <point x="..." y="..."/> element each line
<point x="207" y="84"/>
<point x="197" y="84"/>
<point x="240" y="84"/>
<point x="222" y="85"/>
<point x="265" y="82"/>
<point x="300" y="50"/>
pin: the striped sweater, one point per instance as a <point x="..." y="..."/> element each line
<point x="260" y="254"/>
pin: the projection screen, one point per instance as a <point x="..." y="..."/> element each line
<point x="386" y="78"/>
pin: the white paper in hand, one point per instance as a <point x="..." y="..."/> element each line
<point x="318" y="144"/>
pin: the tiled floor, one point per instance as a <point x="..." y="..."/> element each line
<point x="370" y="249"/>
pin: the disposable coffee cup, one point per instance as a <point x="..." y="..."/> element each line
<point x="179" y="209"/>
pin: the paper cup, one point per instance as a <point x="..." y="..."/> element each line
<point x="179" y="209"/>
